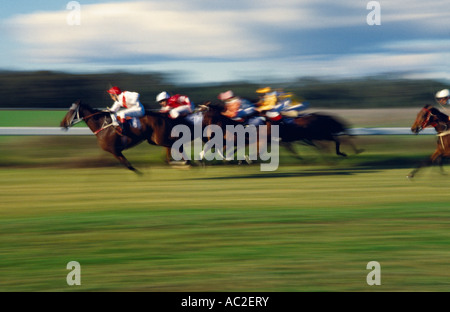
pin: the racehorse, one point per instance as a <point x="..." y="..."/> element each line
<point x="430" y="116"/>
<point x="155" y="129"/>
<point x="308" y="128"/>
<point x="316" y="127"/>
<point x="212" y="115"/>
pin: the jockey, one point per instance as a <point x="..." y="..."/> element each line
<point x="176" y="105"/>
<point x="127" y="100"/>
<point x="443" y="97"/>
<point x="239" y="109"/>
<point x="277" y="104"/>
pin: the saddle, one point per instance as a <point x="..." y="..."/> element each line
<point x="132" y="121"/>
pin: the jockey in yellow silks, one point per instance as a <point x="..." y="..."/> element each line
<point x="277" y="105"/>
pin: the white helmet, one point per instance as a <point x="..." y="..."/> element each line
<point x="442" y="94"/>
<point x="162" y="96"/>
<point x="445" y="93"/>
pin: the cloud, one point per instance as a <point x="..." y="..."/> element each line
<point x="137" y="28"/>
<point x="245" y="37"/>
<point x="175" y="29"/>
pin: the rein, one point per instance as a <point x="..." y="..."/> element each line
<point x="425" y="123"/>
<point x="435" y="124"/>
<point x="74" y="120"/>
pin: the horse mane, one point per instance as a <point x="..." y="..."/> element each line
<point x="216" y="105"/>
<point x="440" y="115"/>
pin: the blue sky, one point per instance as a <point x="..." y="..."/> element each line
<point x="216" y="40"/>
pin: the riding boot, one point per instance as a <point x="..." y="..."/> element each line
<point x="120" y="127"/>
<point x="119" y="130"/>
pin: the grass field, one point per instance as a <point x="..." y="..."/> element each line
<point x="312" y="225"/>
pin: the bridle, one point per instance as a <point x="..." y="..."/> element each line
<point x="75" y="118"/>
<point x="426" y="121"/>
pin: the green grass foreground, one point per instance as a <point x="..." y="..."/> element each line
<point x="304" y="227"/>
<point x="312" y="225"/>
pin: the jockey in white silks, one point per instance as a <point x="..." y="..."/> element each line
<point x="128" y="102"/>
<point x="443" y="97"/>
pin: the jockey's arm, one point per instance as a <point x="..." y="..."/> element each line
<point x="116" y="106"/>
<point x="165" y="109"/>
<point x="228" y="113"/>
<point x="185" y="101"/>
<point x="242" y="113"/>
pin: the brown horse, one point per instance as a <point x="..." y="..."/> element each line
<point x="155" y="129"/>
<point x="430" y="116"/>
<point x="308" y="128"/>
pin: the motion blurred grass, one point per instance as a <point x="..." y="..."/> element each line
<point x="312" y="225"/>
<point x="223" y="229"/>
<point x="31" y="118"/>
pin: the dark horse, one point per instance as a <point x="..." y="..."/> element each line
<point x="308" y="128"/>
<point x="430" y="116"/>
<point x="316" y="127"/>
<point x="155" y="129"/>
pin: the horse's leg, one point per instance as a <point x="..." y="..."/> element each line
<point x="440" y="162"/>
<point x="125" y="161"/>
<point x="290" y="147"/>
<point x="348" y="139"/>
<point x="425" y="163"/>
<point x="168" y="155"/>
<point x="338" y="147"/>
<point x="185" y="156"/>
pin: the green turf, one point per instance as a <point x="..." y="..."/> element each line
<point x="311" y="225"/>
<point x="223" y="228"/>
<point x="31" y="118"/>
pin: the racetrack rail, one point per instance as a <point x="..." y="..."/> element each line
<point x="56" y="131"/>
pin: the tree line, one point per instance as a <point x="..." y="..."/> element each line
<point x="49" y="89"/>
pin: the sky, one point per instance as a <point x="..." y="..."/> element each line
<point x="211" y="41"/>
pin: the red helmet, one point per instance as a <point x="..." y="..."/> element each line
<point x="114" y="90"/>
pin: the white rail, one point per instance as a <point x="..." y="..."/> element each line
<point x="56" y="131"/>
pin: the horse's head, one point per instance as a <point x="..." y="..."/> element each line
<point x="72" y="117"/>
<point x="212" y="112"/>
<point x="204" y="107"/>
<point x="428" y="116"/>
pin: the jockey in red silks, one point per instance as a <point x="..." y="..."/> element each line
<point x="176" y="105"/>
<point x="127" y="100"/>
